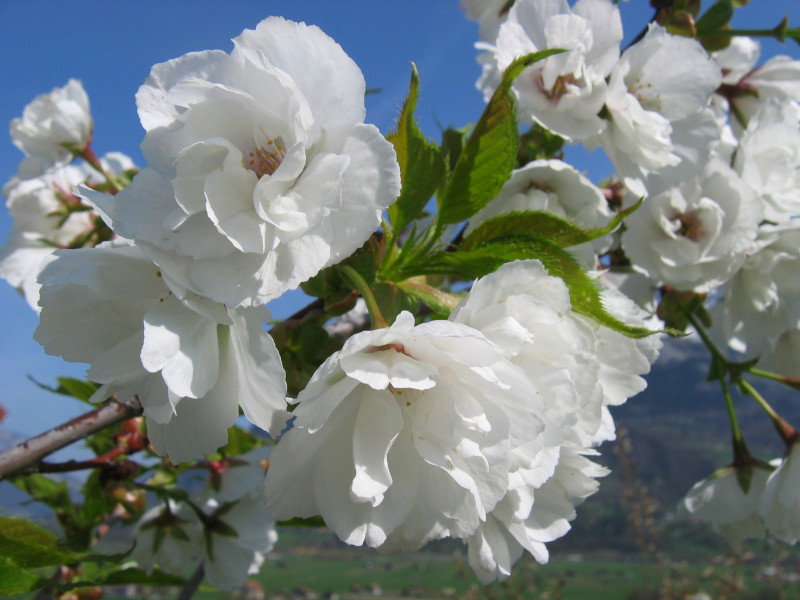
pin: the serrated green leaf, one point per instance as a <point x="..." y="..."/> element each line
<point x="540" y="224"/>
<point x="421" y="162"/>
<point x="716" y="17"/>
<point x="17" y="580"/>
<point x="583" y="291"/>
<point x="490" y="153"/>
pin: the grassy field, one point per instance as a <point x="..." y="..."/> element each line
<point x="316" y="566"/>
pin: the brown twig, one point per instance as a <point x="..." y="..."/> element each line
<point x="27" y="453"/>
<point x="194" y="582"/>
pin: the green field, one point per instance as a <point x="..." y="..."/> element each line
<point x="313" y="562"/>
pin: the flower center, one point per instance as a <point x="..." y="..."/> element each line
<point x="560" y="87"/>
<point x="690" y="226"/>
<point x="264" y="159"/>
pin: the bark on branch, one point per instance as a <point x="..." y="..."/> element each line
<point x="23" y="455"/>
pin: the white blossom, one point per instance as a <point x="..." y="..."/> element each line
<point x="192" y="365"/>
<point x="231" y="540"/>
<point x="555" y="187"/>
<point x="747" y="86"/>
<point x="721" y="501"/>
<point x="404" y="436"/>
<point x="697" y="235"/>
<point x="780" y="502"/>
<point x="768" y="158"/>
<point x="583" y="367"/>
<point x="565" y="92"/>
<point x="47" y="215"/>
<point x="489" y="14"/>
<point x="650" y="91"/>
<point x="784" y="357"/>
<point x="51" y="127"/>
<point x="762" y="299"/>
<point x="260" y="169"/>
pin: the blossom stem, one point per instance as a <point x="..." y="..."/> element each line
<point x="25" y="454"/>
<point x="193" y="583"/>
<point x="363" y="288"/>
<point x="786" y="431"/>
<point x="90" y="157"/>
<point x="717" y="362"/>
<point x="792" y="382"/>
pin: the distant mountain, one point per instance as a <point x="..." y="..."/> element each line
<point x="678" y="433"/>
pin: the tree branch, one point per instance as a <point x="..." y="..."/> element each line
<point x="25" y="454"/>
<point x="194" y="582"/>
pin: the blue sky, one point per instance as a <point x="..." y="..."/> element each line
<point x="110" y="47"/>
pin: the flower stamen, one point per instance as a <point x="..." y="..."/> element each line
<point x="264" y="160"/>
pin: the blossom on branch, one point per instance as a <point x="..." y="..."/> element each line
<point x="231" y="535"/>
<point x="566" y="92"/>
<point x="52" y="128"/>
<point x="780" y="502"/>
<point x="404" y="436"/>
<point x="731" y="511"/>
<point x="695" y="236"/>
<point x="47" y="216"/>
<point x="260" y="169"/>
<point x="193" y="364"/>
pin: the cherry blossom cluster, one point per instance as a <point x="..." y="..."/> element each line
<point x="478" y="421"/>
<point x="712" y="142"/>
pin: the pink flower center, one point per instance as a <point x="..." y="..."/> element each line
<point x="264" y="160"/>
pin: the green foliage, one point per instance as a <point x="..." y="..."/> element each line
<point x="67" y="386"/>
<point x="490" y="152"/>
<point x="440" y="302"/>
<point x="716" y="17"/>
<point x="486" y="258"/>
<point x="17" y="580"/>
<point x="676" y="307"/>
<point x="421" y="162"/>
<point x="538" y="143"/>
<point x="538" y="224"/>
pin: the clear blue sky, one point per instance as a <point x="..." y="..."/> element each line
<point x="110" y="47"/>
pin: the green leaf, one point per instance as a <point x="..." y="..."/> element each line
<point x="54" y="494"/>
<point x="30" y="546"/>
<point x="82" y="390"/>
<point x="421" y="162"/>
<point x="715" y="17"/>
<point x="744" y="475"/>
<point x="441" y="302"/>
<point x="313" y="522"/>
<point x="675" y="308"/>
<point x="97" y="503"/>
<point x="74" y="388"/>
<point x="583" y="291"/>
<point x="393" y="300"/>
<point x="25" y="531"/>
<point x="16" y="580"/>
<point x="538" y="143"/>
<point x="452" y="145"/>
<point x="490" y="153"/>
<point x="540" y="224"/>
